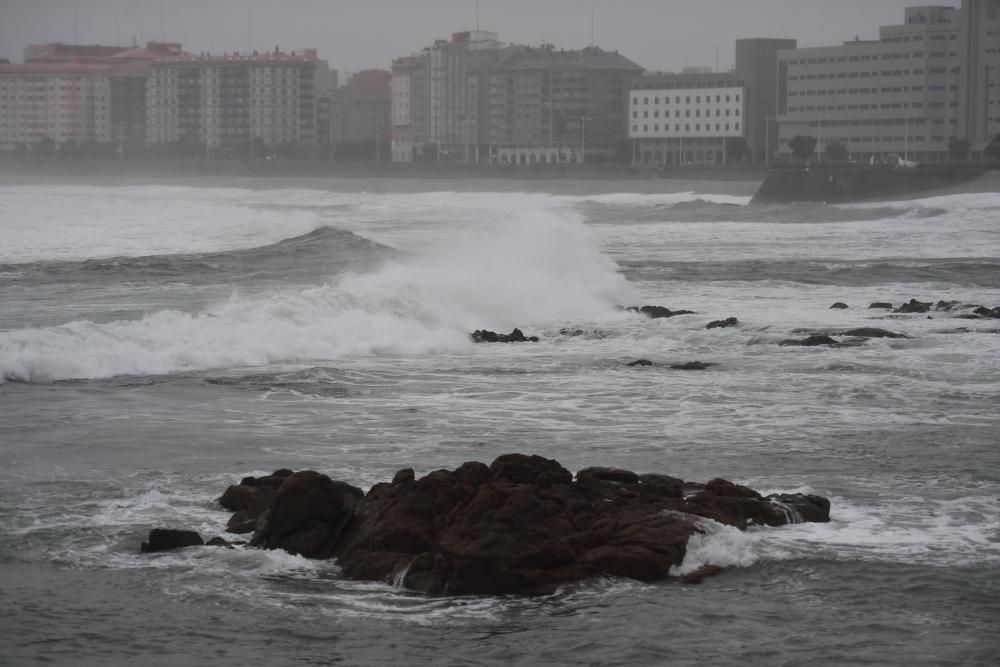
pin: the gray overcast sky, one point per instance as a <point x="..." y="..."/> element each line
<point x="359" y="34"/>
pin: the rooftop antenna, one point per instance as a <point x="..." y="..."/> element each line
<point x="249" y="33"/>
<point x="76" y="24"/>
<point x="591" y="25"/>
<point x="211" y="39"/>
<point x="118" y="41"/>
<point x="477" y="17"/>
<point x="163" y="29"/>
<point x="716" y="57"/>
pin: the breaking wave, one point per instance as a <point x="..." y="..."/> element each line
<point x="544" y="267"/>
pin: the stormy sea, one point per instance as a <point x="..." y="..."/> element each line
<point x="159" y="343"/>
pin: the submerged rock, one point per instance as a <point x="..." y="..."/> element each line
<point x="840" y="305"/>
<point x="987" y="313"/>
<point x="872" y="332"/>
<point x="692" y="366"/>
<point x="723" y="324"/>
<point x="881" y="305"/>
<point x="640" y="362"/>
<point x="810" y="341"/>
<point x="166" y="539"/>
<point x="515" y="336"/>
<point x="520" y="525"/>
<point x="656" y="312"/>
<point x="914" y="306"/>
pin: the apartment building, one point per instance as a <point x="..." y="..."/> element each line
<point x="900" y="94"/>
<point x="548" y="105"/>
<point x="436" y="97"/>
<point x="685" y="118"/>
<point x="227" y="102"/>
<point x="54" y="103"/>
<point x="364" y="127"/>
<point x="77" y="93"/>
<point x="979" y="76"/>
<point x="401" y="107"/>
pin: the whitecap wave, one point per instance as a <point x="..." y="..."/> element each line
<point x="541" y="267"/>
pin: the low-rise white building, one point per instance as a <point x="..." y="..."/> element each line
<point x="685" y="118"/>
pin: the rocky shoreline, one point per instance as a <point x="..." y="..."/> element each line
<point x="521" y="525"/>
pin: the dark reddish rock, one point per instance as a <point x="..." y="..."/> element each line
<point x="515" y="336"/>
<point x="519" y="525"/>
<point x="664" y="486"/>
<point x="307" y="515"/>
<point x="533" y="469"/>
<point x="872" y="332"/>
<point x="914" y="306"/>
<point x="723" y="324"/>
<point x="881" y="305"/>
<point x="222" y="542"/>
<point x="810" y="341"/>
<point x="805" y="508"/>
<point x="840" y="305"/>
<point x="166" y="539"/>
<point x="692" y="366"/>
<point x="403" y="476"/>
<point x="609" y="475"/>
<point x="640" y="362"/>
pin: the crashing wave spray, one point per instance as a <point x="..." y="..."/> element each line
<point x="543" y="266"/>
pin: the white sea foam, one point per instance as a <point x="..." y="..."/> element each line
<point x="717" y="544"/>
<point x="538" y="268"/>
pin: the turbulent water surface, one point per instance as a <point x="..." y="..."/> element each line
<point x="156" y="344"/>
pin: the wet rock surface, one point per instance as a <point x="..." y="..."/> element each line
<point x="515" y="336"/>
<point x="723" y="324"/>
<point x="523" y="524"/>
<point x="655" y="312"/>
<point x="692" y="366"/>
<point x="168" y="539"/>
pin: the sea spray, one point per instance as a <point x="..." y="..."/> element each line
<point x="541" y="267"/>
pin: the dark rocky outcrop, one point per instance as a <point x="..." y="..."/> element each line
<point x="840" y="305"/>
<point x="656" y="312"/>
<point x="988" y="313"/>
<point x="914" y="306"/>
<point x="810" y="341"/>
<point x="520" y="525"/>
<point x="307" y="515"/>
<point x="871" y="332"/>
<point x="692" y="366"/>
<point x="880" y="305"/>
<point x="723" y="324"/>
<point x="167" y="539"/>
<point x="515" y="336"/>
<point x="640" y="362"/>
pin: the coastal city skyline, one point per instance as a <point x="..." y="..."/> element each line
<point x="353" y="36"/>
<point x="922" y="87"/>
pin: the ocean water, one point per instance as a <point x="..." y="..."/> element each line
<point x="160" y="343"/>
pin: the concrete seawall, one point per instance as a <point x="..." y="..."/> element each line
<point x="846" y="183"/>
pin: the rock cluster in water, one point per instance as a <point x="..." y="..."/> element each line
<point x="522" y="524"/>
<point x="515" y="336"/>
<point x="914" y="306"/>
